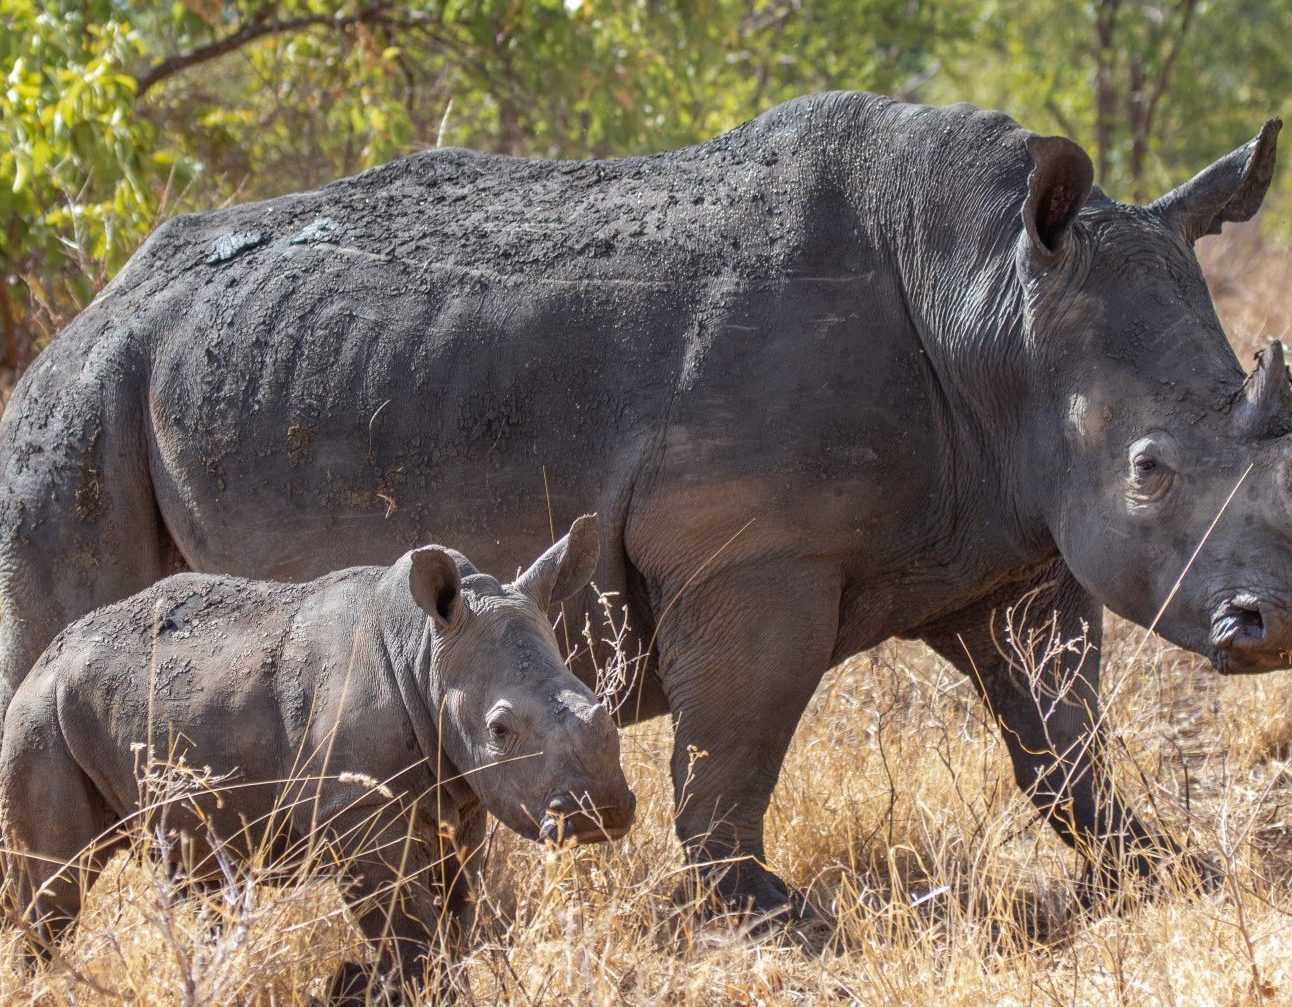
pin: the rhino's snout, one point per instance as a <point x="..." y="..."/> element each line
<point x="581" y="820"/>
<point x="1249" y="634"/>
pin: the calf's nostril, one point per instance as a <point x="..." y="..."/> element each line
<point x="551" y="830"/>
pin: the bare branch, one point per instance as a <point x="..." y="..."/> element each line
<point x="259" y="27"/>
<point x="1186" y="9"/>
<point x="1064" y="123"/>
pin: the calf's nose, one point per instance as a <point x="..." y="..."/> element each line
<point x="585" y="820"/>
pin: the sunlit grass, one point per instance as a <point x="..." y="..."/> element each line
<point x="896" y="813"/>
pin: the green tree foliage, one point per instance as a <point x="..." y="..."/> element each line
<point x="1155" y="89"/>
<point x="81" y="175"/>
<point x="118" y="112"/>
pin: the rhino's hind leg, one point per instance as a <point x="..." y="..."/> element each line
<point x="1049" y="715"/>
<point x="55" y="822"/>
<point x="79" y="523"/>
<point x="737" y="681"/>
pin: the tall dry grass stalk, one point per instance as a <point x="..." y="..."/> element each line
<point x="896" y="813"/>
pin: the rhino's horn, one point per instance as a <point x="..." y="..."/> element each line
<point x="1265" y="406"/>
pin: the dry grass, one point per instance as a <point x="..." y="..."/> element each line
<point x="896" y="812"/>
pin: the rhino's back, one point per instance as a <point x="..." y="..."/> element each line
<point x="466" y="217"/>
<point x="208" y="666"/>
<point x="454" y="343"/>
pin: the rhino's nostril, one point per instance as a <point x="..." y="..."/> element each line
<point x="552" y="829"/>
<point x="1238" y="621"/>
<point x="1251" y="623"/>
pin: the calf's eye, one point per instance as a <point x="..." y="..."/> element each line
<point x="499" y="732"/>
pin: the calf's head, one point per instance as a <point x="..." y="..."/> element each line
<point x="1172" y="497"/>
<point x="533" y="742"/>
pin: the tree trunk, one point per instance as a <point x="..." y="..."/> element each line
<point x="1137" y="121"/>
<point x="1105" y="95"/>
<point x="10" y="325"/>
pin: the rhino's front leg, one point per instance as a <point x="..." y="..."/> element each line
<point x="740" y="655"/>
<point x="1032" y="652"/>
<point x="405" y="888"/>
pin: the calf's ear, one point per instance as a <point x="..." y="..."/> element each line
<point x="436" y="586"/>
<point x="1230" y="190"/>
<point x="1057" y="189"/>
<point x="566" y="567"/>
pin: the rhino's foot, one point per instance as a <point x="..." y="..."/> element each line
<point x="1105" y="887"/>
<point x="1206" y="875"/>
<point x="755" y="903"/>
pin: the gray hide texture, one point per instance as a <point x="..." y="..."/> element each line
<point x="380" y="710"/>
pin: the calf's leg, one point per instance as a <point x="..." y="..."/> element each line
<point x="55" y="822"/>
<point x="407" y="893"/>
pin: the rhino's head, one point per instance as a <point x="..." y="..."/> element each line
<point x="1172" y="497"/>
<point x="531" y="739"/>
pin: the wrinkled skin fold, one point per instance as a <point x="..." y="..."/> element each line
<point x="857" y="369"/>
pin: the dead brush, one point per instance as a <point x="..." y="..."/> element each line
<point x="897" y="814"/>
<point x="186" y="916"/>
<point x="212" y="919"/>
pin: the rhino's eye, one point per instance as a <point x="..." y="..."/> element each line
<point x="1150" y="476"/>
<point x="500" y="733"/>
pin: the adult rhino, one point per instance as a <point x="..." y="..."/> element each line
<point x="857" y="369"/>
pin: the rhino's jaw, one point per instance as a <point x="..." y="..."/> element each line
<point x="1241" y="639"/>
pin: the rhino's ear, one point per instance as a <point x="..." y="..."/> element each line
<point x="566" y="567"/>
<point x="1057" y="189"/>
<point x="1230" y="190"/>
<point x="436" y="585"/>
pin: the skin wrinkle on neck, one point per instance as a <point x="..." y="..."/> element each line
<point x="967" y="321"/>
<point x="393" y="613"/>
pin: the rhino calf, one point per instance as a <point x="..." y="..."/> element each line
<point x="430" y="678"/>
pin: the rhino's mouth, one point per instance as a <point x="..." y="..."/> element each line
<point x="579" y="829"/>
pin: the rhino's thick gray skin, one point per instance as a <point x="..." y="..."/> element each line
<point x="399" y="701"/>
<point x="856" y="369"/>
